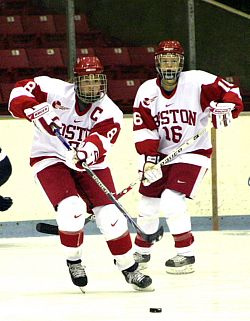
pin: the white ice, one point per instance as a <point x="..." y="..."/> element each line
<point x="35" y="284"/>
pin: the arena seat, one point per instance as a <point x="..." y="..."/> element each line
<point x="142" y="61"/>
<point x="12" y="32"/>
<point x="142" y="56"/>
<point x="79" y="52"/>
<point x="39" y="24"/>
<point x="123" y="91"/>
<point x="60" y="22"/>
<point x="14" y="7"/>
<point x="52" y="40"/>
<point x="81" y="23"/>
<point x="16" y="58"/>
<point x="43" y="26"/>
<point x="1" y="97"/>
<point x="113" y="56"/>
<point x="5" y="89"/>
<point x="14" y="65"/>
<point x="11" y="25"/>
<point x="13" y="59"/>
<point x="3" y="42"/>
<point x="44" y="58"/>
<point x="47" y="61"/>
<point x="116" y="61"/>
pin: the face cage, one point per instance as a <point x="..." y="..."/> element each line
<point x="169" y="73"/>
<point x="90" y="88"/>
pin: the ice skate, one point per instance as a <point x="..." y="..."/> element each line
<point x="142" y="259"/>
<point x="138" y="280"/>
<point x="180" y="264"/>
<point x="77" y="273"/>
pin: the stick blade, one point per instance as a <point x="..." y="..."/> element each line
<point x="155" y="237"/>
<point x="47" y="228"/>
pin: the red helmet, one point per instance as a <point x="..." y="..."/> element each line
<point x="90" y="82"/>
<point x="86" y="65"/>
<point x="169" y="46"/>
<point x="169" y="60"/>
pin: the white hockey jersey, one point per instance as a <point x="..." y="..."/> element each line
<point x="163" y="122"/>
<point x="100" y="123"/>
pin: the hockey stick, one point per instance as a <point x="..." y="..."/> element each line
<point x="53" y="229"/>
<point x="167" y="159"/>
<point x="150" y="238"/>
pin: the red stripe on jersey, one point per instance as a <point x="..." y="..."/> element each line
<point x="220" y="91"/>
<point x="106" y="128"/>
<point x="148" y="147"/>
<point x="19" y="103"/>
<point x="35" y="89"/>
<point x="146" y="117"/>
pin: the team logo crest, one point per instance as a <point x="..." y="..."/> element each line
<point x="148" y="101"/>
<point x="58" y="105"/>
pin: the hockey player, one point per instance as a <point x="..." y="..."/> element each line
<point x="169" y="110"/>
<point x="90" y="122"/>
<point x="5" y="172"/>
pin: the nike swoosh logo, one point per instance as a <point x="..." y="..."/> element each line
<point x="169" y="105"/>
<point x="77" y="121"/>
<point x="114" y="223"/>
<point x="76" y="216"/>
<point x="180" y="182"/>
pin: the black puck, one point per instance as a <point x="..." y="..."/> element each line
<point x="155" y="310"/>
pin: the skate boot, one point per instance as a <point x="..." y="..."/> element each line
<point x="142" y="259"/>
<point x="77" y="273"/>
<point x="138" y="280"/>
<point x="180" y="264"/>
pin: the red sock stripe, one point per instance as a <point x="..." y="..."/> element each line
<point x="71" y="239"/>
<point x="183" y="239"/>
<point x="120" y="245"/>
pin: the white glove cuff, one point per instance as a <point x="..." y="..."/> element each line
<point x="221" y="108"/>
<point x="152" y="159"/>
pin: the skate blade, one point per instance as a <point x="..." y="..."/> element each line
<point x="82" y="288"/>
<point x="149" y="288"/>
<point x="187" y="269"/>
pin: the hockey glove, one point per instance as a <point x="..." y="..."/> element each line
<point x="151" y="172"/>
<point x="86" y="152"/>
<point x="44" y="118"/>
<point x="221" y="114"/>
<point x="5" y="203"/>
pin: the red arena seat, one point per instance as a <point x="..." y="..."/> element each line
<point x="142" y="56"/>
<point x="79" y="52"/>
<point x="45" y="58"/>
<point x="113" y="56"/>
<point x="5" y="90"/>
<point x="11" y="59"/>
<point x="11" y="25"/>
<point x="11" y="30"/>
<point x="81" y="23"/>
<point x="123" y="91"/>
<point x="38" y="24"/>
<point x="47" y="61"/>
<point x="14" y="64"/>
